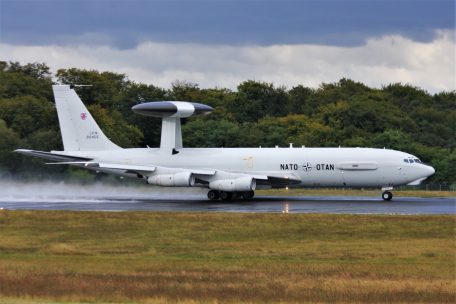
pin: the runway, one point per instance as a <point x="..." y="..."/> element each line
<point x="298" y="204"/>
<point x="51" y="195"/>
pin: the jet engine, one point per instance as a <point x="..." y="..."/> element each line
<point x="181" y="179"/>
<point x="230" y="185"/>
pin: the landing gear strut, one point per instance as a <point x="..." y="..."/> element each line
<point x="387" y="195"/>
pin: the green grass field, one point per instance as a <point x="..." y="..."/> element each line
<point x="61" y="256"/>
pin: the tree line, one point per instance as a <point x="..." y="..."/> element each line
<point x="346" y="113"/>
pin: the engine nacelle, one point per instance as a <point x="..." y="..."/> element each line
<point x="230" y="185"/>
<point x="181" y="179"/>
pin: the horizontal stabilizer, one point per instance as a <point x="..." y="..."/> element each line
<point x="51" y="155"/>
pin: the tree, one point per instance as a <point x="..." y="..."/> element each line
<point x="296" y="129"/>
<point x="27" y="114"/>
<point x="183" y="91"/>
<point x="102" y="89"/>
<point x="9" y="140"/>
<point x="116" y="128"/>
<point x="258" y="99"/>
<point x="302" y="100"/>
<point x="211" y="133"/>
<point x="31" y="79"/>
<point x="36" y="70"/>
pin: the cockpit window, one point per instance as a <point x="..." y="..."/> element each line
<point x="411" y="160"/>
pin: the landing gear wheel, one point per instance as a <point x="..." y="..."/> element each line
<point x="248" y="195"/>
<point x="213" y="195"/>
<point x="226" y="196"/>
<point x="387" y="196"/>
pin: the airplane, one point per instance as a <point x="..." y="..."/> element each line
<point x="226" y="172"/>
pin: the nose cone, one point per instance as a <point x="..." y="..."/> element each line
<point x="428" y="171"/>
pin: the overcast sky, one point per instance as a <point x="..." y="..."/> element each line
<point x="221" y="43"/>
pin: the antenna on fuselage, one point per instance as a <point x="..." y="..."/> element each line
<point x="171" y="113"/>
<point x="72" y="86"/>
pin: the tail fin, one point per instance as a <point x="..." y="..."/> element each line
<point x="79" y="130"/>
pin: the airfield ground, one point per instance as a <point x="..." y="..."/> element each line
<point x="63" y="256"/>
<point x="353" y="192"/>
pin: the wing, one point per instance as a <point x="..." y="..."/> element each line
<point x="137" y="169"/>
<point x="272" y="179"/>
<point x="203" y="176"/>
<point x="279" y="180"/>
<point x="92" y="165"/>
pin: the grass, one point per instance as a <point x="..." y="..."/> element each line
<point x="353" y="192"/>
<point x="62" y="256"/>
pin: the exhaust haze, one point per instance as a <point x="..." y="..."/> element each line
<point x="49" y="191"/>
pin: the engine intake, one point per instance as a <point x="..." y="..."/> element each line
<point x="230" y="185"/>
<point x="181" y="179"/>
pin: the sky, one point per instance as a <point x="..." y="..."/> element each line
<point x="222" y="43"/>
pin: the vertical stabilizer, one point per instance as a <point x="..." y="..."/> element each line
<point x="79" y="130"/>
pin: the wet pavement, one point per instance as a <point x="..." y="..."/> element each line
<point x="197" y="203"/>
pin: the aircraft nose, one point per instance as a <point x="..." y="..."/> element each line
<point x="428" y="171"/>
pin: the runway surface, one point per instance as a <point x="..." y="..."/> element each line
<point x="298" y="204"/>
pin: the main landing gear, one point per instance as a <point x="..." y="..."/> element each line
<point x="387" y="195"/>
<point x="226" y="196"/>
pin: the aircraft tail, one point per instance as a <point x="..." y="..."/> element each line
<point x="79" y="130"/>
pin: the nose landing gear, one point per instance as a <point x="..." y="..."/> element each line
<point x="387" y="195"/>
